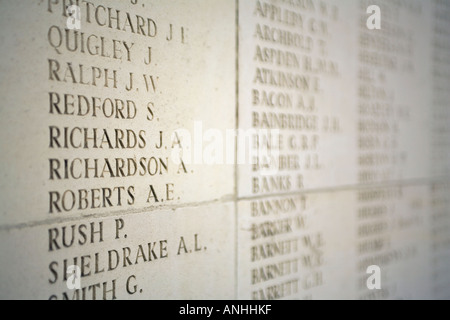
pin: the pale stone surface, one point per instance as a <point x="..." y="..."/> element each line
<point x="393" y="232"/>
<point x="394" y="94"/>
<point x="369" y="104"/>
<point x="380" y="123"/>
<point x="319" y="245"/>
<point x="320" y="144"/>
<point x="297" y="247"/>
<point x="188" y="260"/>
<point x="350" y="168"/>
<point x="439" y="222"/>
<point x="181" y="95"/>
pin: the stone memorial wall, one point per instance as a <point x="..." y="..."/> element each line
<point x="224" y="149"/>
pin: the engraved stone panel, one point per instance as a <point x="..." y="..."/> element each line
<point x="393" y="92"/>
<point x="296" y="99"/>
<point x="293" y="247"/>
<point x="158" y="255"/>
<point x="393" y="233"/>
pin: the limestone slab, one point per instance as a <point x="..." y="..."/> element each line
<point x="172" y="254"/>
<point x="89" y="115"/>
